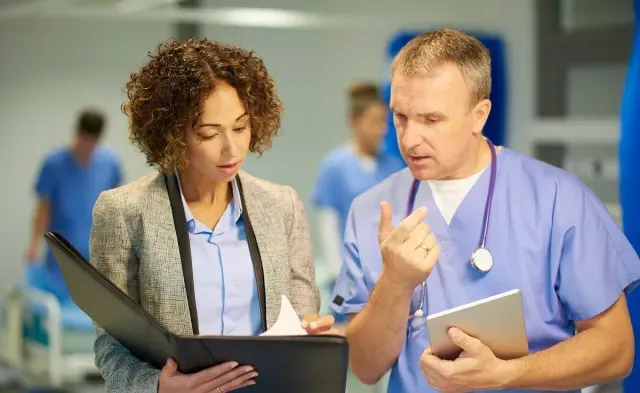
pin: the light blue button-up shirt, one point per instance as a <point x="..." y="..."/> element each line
<point x="224" y="280"/>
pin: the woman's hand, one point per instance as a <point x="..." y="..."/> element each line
<point x="222" y="378"/>
<point x="314" y="324"/>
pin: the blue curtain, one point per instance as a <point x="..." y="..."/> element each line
<point x="629" y="164"/>
<point x="496" y="127"/>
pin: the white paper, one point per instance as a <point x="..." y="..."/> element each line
<point x="288" y="323"/>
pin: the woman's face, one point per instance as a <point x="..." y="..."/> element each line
<point x="370" y="127"/>
<point x="217" y="147"/>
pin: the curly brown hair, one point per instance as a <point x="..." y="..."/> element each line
<point x="167" y="93"/>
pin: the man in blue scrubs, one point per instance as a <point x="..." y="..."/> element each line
<point x="67" y="187"/>
<point x="548" y="234"/>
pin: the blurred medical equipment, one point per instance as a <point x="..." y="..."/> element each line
<point x="45" y="335"/>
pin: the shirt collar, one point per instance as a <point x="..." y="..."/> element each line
<point x="236" y="204"/>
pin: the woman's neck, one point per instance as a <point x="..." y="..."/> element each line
<point x="360" y="149"/>
<point x="198" y="189"/>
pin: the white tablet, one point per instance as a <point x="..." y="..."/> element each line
<point x="497" y="321"/>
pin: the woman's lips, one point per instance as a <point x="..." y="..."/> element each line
<point x="228" y="168"/>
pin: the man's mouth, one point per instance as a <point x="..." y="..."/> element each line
<point x="418" y="159"/>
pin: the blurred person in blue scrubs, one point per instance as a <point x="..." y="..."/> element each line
<point x="548" y="234"/>
<point x="68" y="184"/>
<point x="350" y="169"/>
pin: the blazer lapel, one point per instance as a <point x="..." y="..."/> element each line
<point x="266" y="251"/>
<point x="256" y="258"/>
<point x="182" y="234"/>
<point x="161" y="270"/>
<point x="271" y="250"/>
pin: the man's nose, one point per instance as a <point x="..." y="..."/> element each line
<point x="411" y="137"/>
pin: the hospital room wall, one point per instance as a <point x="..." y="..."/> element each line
<point x="52" y="67"/>
<point x="313" y="81"/>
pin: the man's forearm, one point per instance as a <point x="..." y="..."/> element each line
<point x="591" y="357"/>
<point x="378" y="333"/>
<point x="40" y="222"/>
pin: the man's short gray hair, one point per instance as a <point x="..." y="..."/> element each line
<point x="431" y="50"/>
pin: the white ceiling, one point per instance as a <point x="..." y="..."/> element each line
<point x="343" y="14"/>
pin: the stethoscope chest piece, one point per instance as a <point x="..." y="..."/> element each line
<point x="482" y="259"/>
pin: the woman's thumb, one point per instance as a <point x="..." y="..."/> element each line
<point x="171" y="366"/>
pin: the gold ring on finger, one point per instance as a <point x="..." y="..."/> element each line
<point x="218" y="390"/>
<point x="424" y="247"/>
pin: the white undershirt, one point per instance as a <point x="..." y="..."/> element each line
<point x="449" y="194"/>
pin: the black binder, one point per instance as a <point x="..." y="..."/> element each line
<point x="288" y="364"/>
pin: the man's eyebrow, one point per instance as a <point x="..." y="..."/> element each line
<point x="431" y="115"/>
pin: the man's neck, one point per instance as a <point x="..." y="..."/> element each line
<point x="82" y="159"/>
<point x="478" y="158"/>
<point x="361" y="150"/>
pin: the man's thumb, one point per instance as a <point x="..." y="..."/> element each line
<point x="464" y="341"/>
<point x="385" y="227"/>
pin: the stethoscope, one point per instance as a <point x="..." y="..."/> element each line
<point x="481" y="258"/>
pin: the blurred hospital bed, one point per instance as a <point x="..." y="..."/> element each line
<point x="47" y="338"/>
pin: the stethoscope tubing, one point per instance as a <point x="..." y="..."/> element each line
<point x="487" y="213"/>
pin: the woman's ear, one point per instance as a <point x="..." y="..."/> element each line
<point x="353" y="122"/>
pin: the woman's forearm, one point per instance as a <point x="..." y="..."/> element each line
<point x="122" y="371"/>
<point x="330" y="241"/>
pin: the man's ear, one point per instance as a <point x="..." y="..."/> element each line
<point x="480" y="113"/>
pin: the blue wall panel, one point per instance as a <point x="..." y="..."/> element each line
<point x="629" y="155"/>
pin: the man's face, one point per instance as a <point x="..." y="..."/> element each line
<point x="434" y="122"/>
<point x="85" y="144"/>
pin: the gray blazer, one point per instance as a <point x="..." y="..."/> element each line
<point x="134" y="242"/>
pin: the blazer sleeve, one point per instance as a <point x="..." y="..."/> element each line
<point x="306" y="297"/>
<point x="112" y="254"/>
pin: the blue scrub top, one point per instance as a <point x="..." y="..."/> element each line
<point x="550" y="237"/>
<point x="342" y="178"/>
<point x="72" y="190"/>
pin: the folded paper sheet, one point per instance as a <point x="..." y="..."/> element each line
<point x="288" y="323"/>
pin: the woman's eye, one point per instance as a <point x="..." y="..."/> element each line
<point x="239" y="129"/>
<point x="207" y="136"/>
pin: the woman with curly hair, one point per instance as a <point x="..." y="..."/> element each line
<point x="201" y="245"/>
